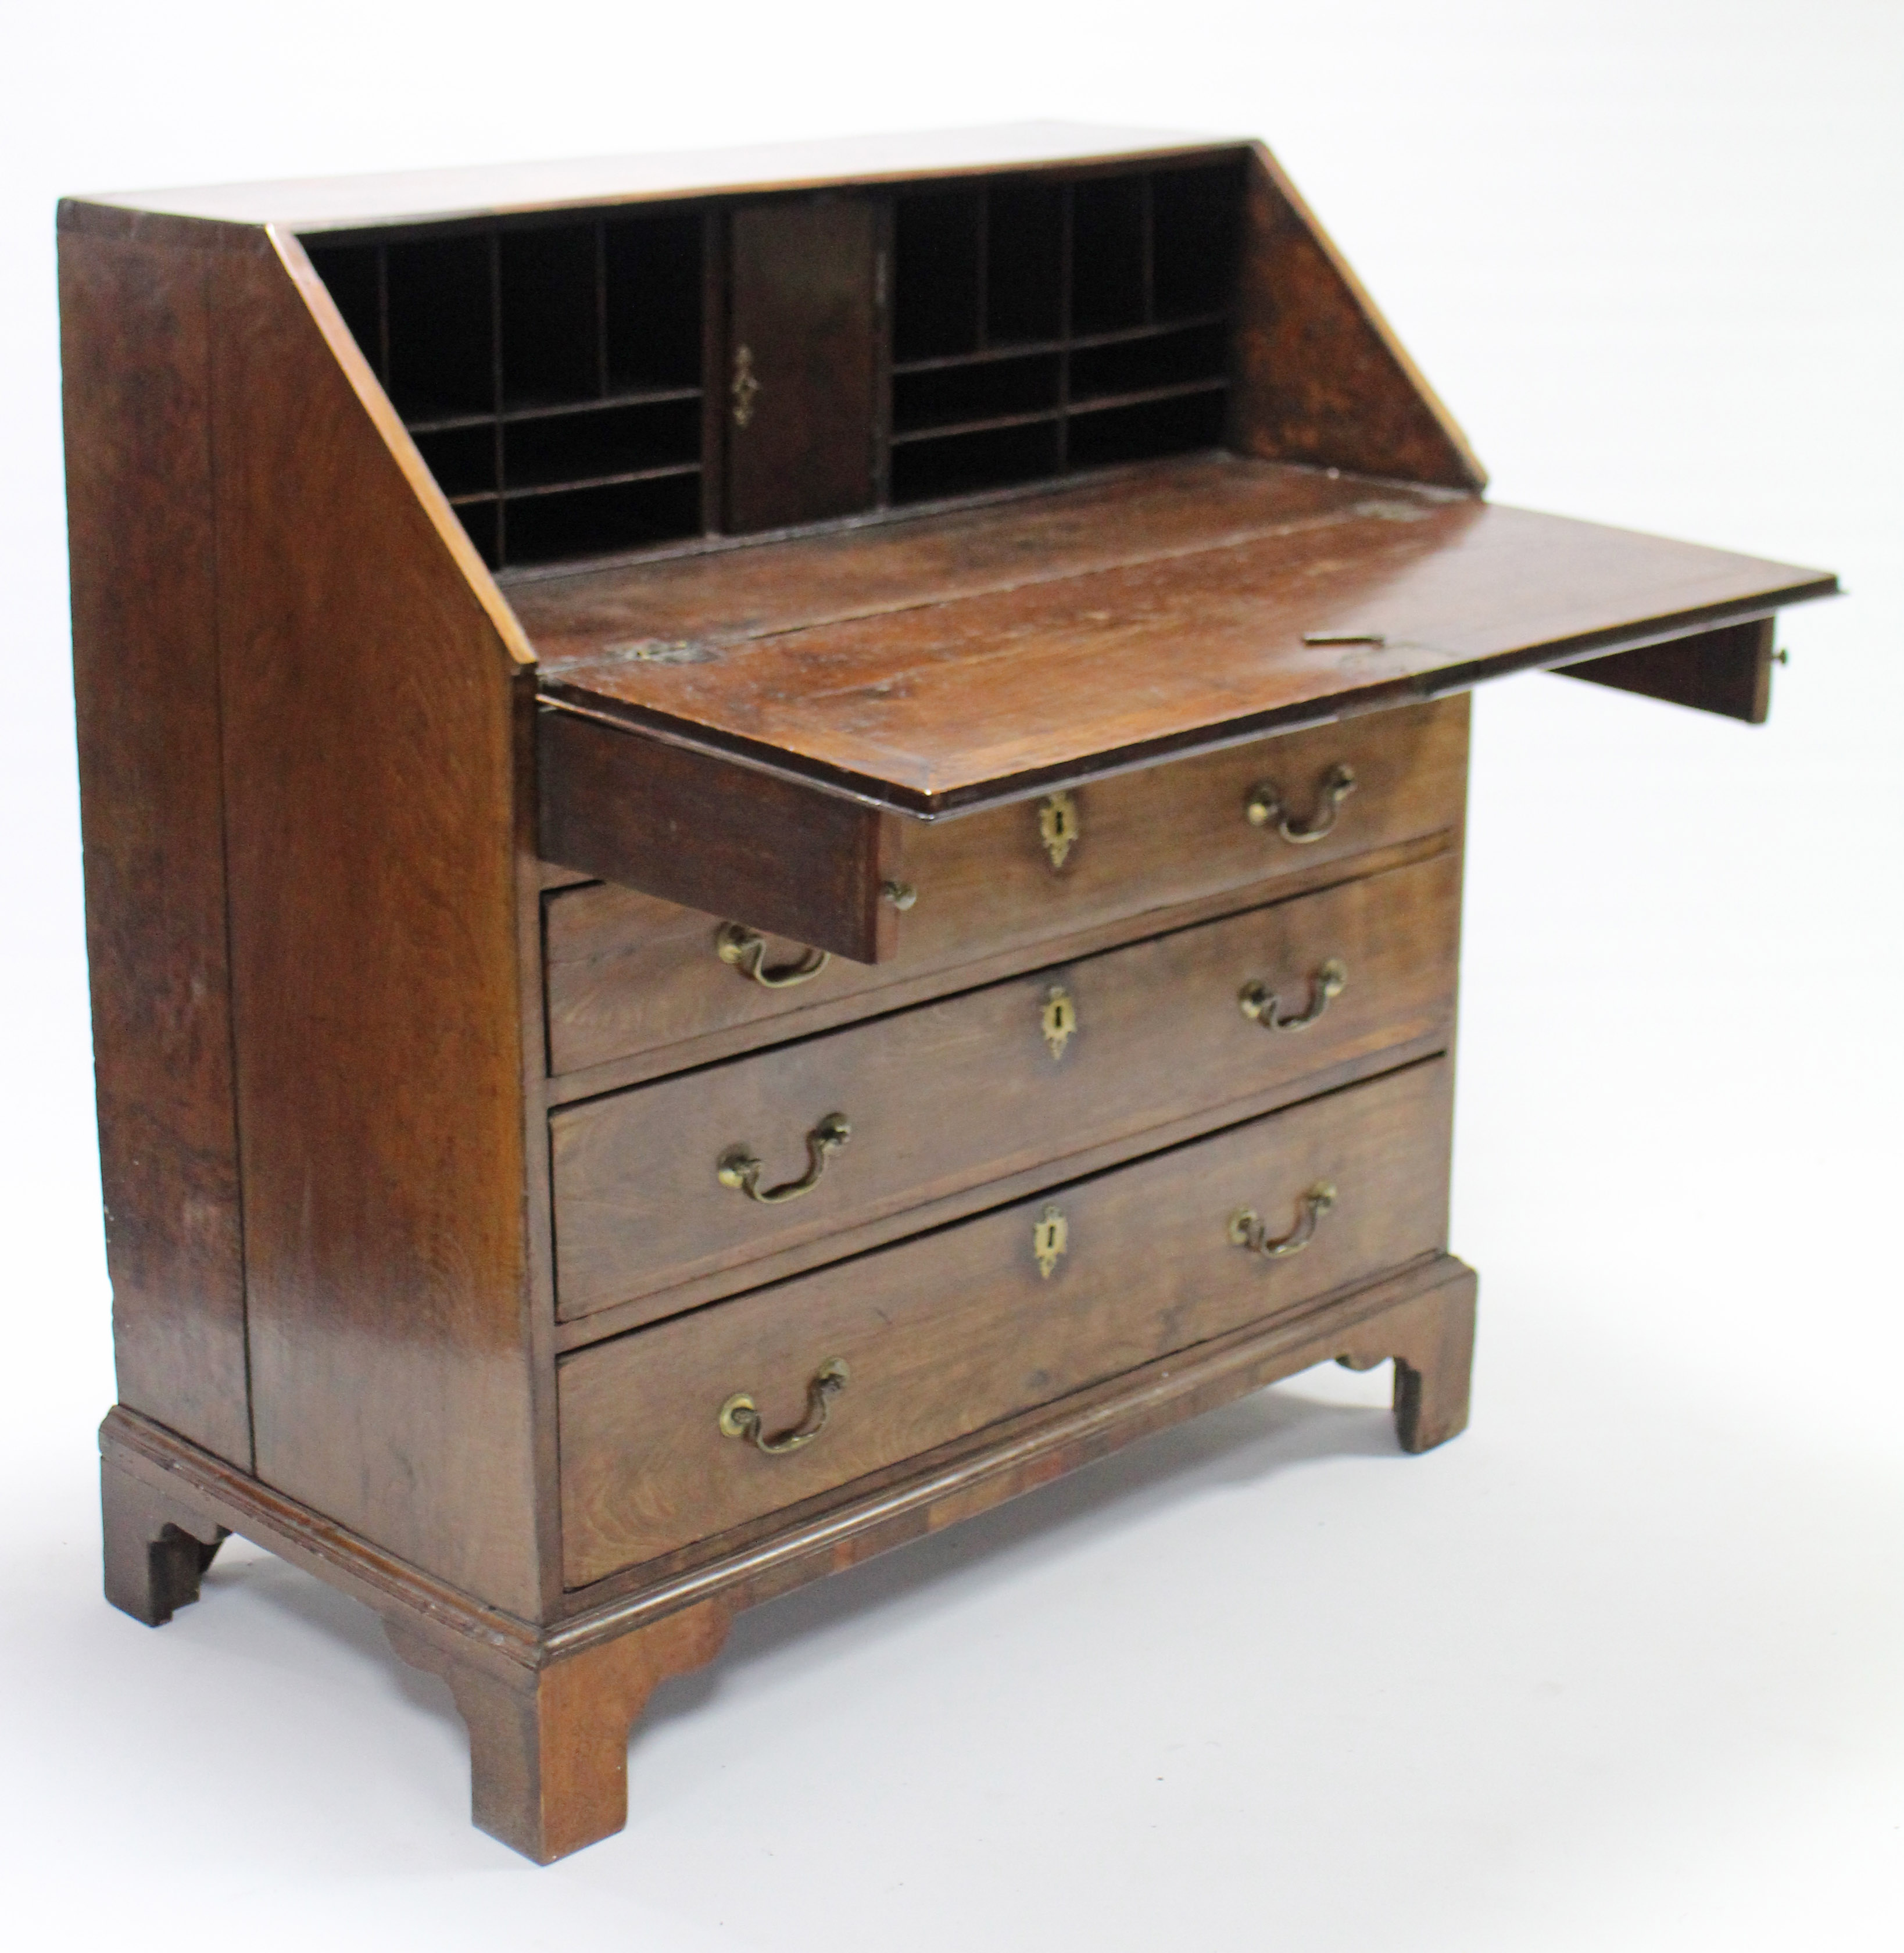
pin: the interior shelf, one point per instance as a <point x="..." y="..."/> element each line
<point x="554" y="371"/>
<point x="559" y="360"/>
<point x="1024" y="301"/>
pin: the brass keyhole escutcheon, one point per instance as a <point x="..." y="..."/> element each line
<point x="1051" y="1239"/>
<point x="744" y="387"/>
<point x="1060" y="1017"/>
<point x="1058" y="826"/>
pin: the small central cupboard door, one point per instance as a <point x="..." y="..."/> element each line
<point x="801" y="366"/>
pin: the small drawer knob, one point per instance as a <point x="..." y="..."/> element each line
<point x="744" y="387"/>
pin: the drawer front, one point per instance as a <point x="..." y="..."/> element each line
<point x="628" y="973"/>
<point x="951" y="1095"/>
<point x="951" y="1332"/>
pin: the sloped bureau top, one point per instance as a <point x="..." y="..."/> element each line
<point x="521" y="617"/>
<point x="318" y="204"/>
<point x="952" y="661"/>
<point x="830" y="486"/>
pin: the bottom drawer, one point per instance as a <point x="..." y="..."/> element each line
<point x="904" y="1350"/>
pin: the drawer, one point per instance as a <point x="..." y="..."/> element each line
<point x="950" y="1331"/>
<point x="1017" y="1075"/>
<point x="629" y="973"/>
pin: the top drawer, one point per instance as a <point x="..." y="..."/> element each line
<point x="629" y="974"/>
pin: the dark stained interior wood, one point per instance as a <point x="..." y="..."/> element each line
<point x="1320" y="377"/>
<point x="933" y="703"/>
<point x="678" y="609"/>
<point x="803" y="311"/>
<point x="136" y="331"/>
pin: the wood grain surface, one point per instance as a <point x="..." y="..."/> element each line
<point x="801" y="301"/>
<point x="629" y="973"/>
<point x="1318" y="376"/>
<point x="944" y="705"/>
<point x="676" y="822"/>
<point x="548" y="1708"/>
<point x="412" y="196"/>
<point x="135" y="332"/>
<point x="951" y="1095"/>
<point x="953" y="1330"/>
<point x="1728" y="671"/>
<point x="692" y="603"/>
<point x="373" y="809"/>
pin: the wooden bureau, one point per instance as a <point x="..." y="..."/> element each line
<point x="773" y="846"/>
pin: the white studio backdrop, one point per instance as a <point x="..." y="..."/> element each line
<point x="1621" y="1666"/>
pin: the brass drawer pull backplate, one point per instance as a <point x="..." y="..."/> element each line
<point x="746" y="950"/>
<point x="1261" y="1004"/>
<point x="1264" y="807"/>
<point x="740" y="1416"/>
<point x="1248" y="1230"/>
<point x="741" y="1169"/>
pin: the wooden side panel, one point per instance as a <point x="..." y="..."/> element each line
<point x="799" y="445"/>
<point x="692" y="828"/>
<point x="1319" y="376"/>
<point x="1728" y="671"/>
<point x="135" y="325"/>
<point x="372" y="796"/>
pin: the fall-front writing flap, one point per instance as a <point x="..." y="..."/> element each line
<point x="953" y="660"/>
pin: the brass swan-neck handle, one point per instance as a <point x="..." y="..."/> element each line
<point x="741" y="1169"/>
<point x="1265" y="807"/>
<point x="1261" y="1004"/>
<point x="746" y="950"/>
<point x="1248" y="1229"/>
<point x="740" y="1416"/>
